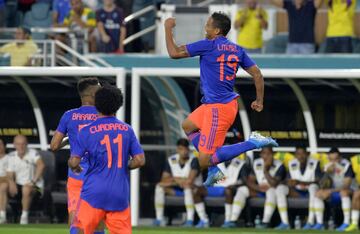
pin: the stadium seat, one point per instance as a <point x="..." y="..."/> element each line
<point x="39" y="16"/>
<point x="356" y="45"/>
<point x="277" y="44"/>
<point x="49" y="182"/>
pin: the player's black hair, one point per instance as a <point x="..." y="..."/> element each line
<point x="222" y="22"/>
<point x="182" y="142"/>
<point x="108" y="100"/>
<point x="85" y="83"/>
<point x="334" y="150"/>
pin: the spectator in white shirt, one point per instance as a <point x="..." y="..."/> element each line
<point x="25" y="171"/>
<point x="3" y="181"/>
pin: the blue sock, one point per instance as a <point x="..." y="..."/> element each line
<point x="74" y="230"/>
<point x="194" y="137"/>
<point x="228" y="152"/>
<point x="99" y="232"/>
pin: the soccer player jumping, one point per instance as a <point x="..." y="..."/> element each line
<point x="207" y="126"/>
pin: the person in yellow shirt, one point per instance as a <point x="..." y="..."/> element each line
<point x="355" y="208"/>
<point x="250" y="22"/>
<point x="20" y="51"/>
<point x="81" y="17"/>
<point x="340" y="28"/>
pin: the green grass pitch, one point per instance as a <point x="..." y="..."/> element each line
<point x="60" y="229"/>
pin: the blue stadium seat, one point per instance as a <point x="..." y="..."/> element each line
<point x="277" y="44"/>
<point x="39" y="16"/>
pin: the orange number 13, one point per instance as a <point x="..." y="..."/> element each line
<point x="118" y="140"/>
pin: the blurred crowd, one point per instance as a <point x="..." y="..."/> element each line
<point x="253" y="19"/>
<point x="104" y="23"/>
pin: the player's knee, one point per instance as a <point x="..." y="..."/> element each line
<point x="281" y="190"/>
<point x="243" y="191"/>
<point x="26" y="191"/>
<point x="345" y="193"/>
<point x="356" y="195"/>
<point x="188" y="126"/>
<point x="313" y="188"/>
<point x="159" y="189"/>
<point x="320" y="194"/>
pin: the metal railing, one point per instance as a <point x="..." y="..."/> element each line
<point x="136" y="15"/>
<point x="76" y="37"/>
<point x="48" y="54"/>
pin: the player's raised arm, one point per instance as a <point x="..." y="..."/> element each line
<point x="174" y="51"/>
<point x="255" y="72"/>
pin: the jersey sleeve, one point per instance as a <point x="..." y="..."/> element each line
<point x="244" y="173"/>
<point x="281" y="173"/>
<point x="349" y="172"/>
<point x="62" y="127"/>
<point x="199" y="48"/>
<point x="135" y="147"/>
<point x="318" y="172"/>
<point x="195" y="166"/>
<point x="79" y="148"/>
<point x="245" y="61"/>
<point x="35" y="157"/>
<point x="11" y="165"/>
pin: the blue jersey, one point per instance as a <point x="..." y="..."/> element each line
<point x="113" y="21"/>
<point x="219" y="62"/>
<point x="70" y="124"/>
<point x="62" y="7"/>
<point x="107" y="143"/>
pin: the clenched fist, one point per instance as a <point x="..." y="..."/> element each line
<point x="257" y="105"/>
<point x="170" y="23"/>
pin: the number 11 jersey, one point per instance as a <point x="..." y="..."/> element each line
<point x="108" y="144"/>
<point x="219" y="62"/>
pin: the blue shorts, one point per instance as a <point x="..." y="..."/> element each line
<point x="302" y="193"/>
<point x="261" y="194"/>
<point x="335" y="198"/>
<point x="216" y="191"/>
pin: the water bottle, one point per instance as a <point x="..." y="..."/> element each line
<point x="331" y="224"/>
<point x="297" y="223"/>
<point x="257" y="221"/>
